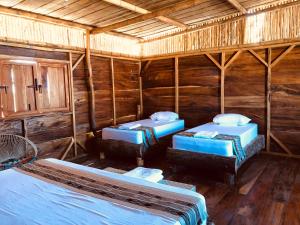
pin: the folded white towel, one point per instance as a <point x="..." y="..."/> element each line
<point x="130" y="126"/>
<point x="153" y="175"/>
<point x="206" y="134"/>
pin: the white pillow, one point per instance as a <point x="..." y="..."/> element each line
<point x="231" y="119"/>
<point x="164" y="116"/>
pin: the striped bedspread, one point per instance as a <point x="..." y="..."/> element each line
<point x="239" y="152"/>
<point x="181" y="207"/>
<point x="149" y="137"/>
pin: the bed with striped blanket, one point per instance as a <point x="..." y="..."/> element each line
<point x="57" y="192"/>
<point x="147" y="141"/>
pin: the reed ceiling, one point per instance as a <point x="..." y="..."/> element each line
<point x="104" y="13"/>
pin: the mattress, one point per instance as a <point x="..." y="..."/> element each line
<point x="26" y="200"/>
<point x="247" y="133"/>
<point x="161" y="129"/>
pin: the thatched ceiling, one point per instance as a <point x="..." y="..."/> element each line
<point x="182" y="14"/>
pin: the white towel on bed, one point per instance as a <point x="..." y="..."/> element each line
<point x="130" y="126"/>
<point x="206" y="134"/>
<point x="153" y="175"/>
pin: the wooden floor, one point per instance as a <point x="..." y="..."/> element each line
<point x="267" y="193"/>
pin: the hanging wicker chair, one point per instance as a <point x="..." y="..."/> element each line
<point x="15" y="150"/>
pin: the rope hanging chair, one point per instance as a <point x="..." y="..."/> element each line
<point x="15" y="150"/>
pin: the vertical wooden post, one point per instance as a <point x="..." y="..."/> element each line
<point x="90" y="83"/>
<point x="72" y="102"/>
<point x="223" y="82"/>
<point x="113" y="90"/>
<point x="141" y="90"/>
<point x="268" y="140"/>
<point x="176" y="86"/>
<point x="24" y="130"/>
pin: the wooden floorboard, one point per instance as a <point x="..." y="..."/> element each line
<point x="267" y="190"/>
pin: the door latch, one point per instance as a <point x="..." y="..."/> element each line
<point x="5" y="87"/>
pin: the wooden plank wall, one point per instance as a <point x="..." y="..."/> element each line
<point x="51" y="132"/>
<point x="245" y="87"/>
<point x="199" y="84"/>
<point x="158" y="87"/>
<point x="245" y="91"/>
<point x="285" y="101"/>
<point x="127" y="89"/>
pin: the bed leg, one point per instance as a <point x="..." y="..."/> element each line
<point x="102" y="155"/>
<point x="230" y="179"/>
<point x="140" y="161"/>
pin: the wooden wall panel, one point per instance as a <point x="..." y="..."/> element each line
<point x="103" y="91"/>
<point x="285" y="100"/>
<point x="158" y="87"/>
<point x="127" y="89"/>
<point x="199" y="83"/>
<point x="11" y="127"/>
<point x="33" y="53"/>
<point x="245" y="88"/>
<point x="81" y="96"/>
<point x="49" y="127"/>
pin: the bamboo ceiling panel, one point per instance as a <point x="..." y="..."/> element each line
<point x="100" y="13"/>
<point x="205" y="11"/>
<point x="146" y="28"/>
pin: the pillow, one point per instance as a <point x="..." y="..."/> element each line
<point x="164" y="116"/>
<point x="231" y="119"/>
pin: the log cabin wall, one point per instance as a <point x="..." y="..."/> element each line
<point x="52" y="132"/>
<point x="245" y="90"/>
<point x="158" y="87"/>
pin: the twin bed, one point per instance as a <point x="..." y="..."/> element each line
<point x="56" y="192"/>
<point x="133" y="143"/>
<point x="233" y="145"/>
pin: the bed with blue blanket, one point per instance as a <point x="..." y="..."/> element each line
<point x="226" y="151"/>
<point x="140" y="142"/>
<point x="55" y="192"/>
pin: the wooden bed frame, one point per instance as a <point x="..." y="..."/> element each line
<point x="123" y="149"/>
<point x="219" y="163"/>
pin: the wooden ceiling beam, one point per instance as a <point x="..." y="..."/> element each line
<point x="42" y="18"/>
<point x="172" y="22"/>
<point x="56" y="21"/>
<point x="134" y="8"/>
<point x="237" y="5"/>
<point x="161" y="12"/>
<point x="123" y="35"/>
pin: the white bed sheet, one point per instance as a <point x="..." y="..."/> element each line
<point x="25" y="200"/>
<point x="161" y="129"/>
<point x="247" y="133"/>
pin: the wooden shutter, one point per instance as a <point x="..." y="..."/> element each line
<point x="17" y="94"/>
<point x="53" y="87"/>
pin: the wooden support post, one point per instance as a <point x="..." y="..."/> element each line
<point x="231" y="60"/>
<point x="68" y="149"/>
<point x="269" y="74"/>
<point x="176" y="86"/>
<point x="223" y="82"/>
<point x="73" y="103"/>
<point x="145" y="68"/>
<point x="90" y="84"/>
<point x="277" y="60"/>
<point x="213" y="60"/>
<point x="286" y="149"/>
<point x="24" y="128"/>
<point x="258" y="57"/>
<point x="113" y="90"/>
<point x="77" y="62"/>
<point x="141" y="90"/>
